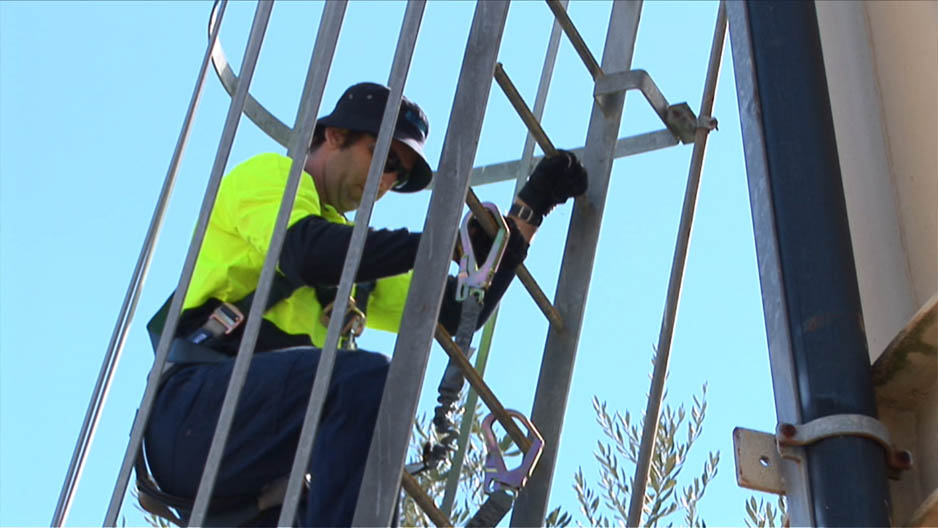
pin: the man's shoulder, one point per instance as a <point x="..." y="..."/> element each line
<point x="266" y="165"/>
<point x="264" y="169"/>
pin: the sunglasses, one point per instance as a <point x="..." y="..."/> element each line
<point x="395" y="165"/>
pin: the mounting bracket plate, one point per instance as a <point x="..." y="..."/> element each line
<point x="757" y="461"/>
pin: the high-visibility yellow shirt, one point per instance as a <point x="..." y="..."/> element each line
<point x="239" y="233"/>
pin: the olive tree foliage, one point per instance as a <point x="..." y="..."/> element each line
<point x="761" y="514"/>
<point x="670" y="496"/>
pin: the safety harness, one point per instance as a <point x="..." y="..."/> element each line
<point x="197" y="347"/>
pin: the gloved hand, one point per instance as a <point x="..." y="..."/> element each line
<point x="554" y="180"/>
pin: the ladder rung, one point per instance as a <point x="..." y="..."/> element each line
<point x="523" y="111"/>
<point x="423" y="500"/>
<point x="488" y="224"/>
<point x="578" y="44"/>
<point x="483" y="390"/>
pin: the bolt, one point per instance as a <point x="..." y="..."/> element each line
<point x="788" y="430"/>
<point x="904" y="457"/>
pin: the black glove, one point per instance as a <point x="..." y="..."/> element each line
<point x="555" y="179"/>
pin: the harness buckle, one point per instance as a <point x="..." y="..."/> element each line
<point x="354" y="319"/>
<point x="497" y="476"/>
<point x="228" y="316"/>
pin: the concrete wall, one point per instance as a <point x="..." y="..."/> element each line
<point x="882" y="67"/>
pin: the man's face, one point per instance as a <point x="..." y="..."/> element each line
<point x="346" y="169"/>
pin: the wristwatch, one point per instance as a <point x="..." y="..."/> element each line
<point x="526" y="213"/>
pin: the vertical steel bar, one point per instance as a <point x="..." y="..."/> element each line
<point x="540" y="100"/>
<point x="207" y="482"/>
<point x="804" y="188"/>
<point x="129" y="306"/>
<point x="576" y="268"/>
<point x="675" y="282"/>
<point x="489" y="330"/>
<point x="468" y="417"/>
<point x="531" y="122"/>
<point x="143" y="412"/>
<point x="774" y="303"/>
<point x="399" y="69"/>
<point x="402" y="389"/>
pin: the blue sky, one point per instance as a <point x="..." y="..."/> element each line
<point x="92" y="97"/>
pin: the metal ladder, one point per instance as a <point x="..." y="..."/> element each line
<point x="384" y="473"/>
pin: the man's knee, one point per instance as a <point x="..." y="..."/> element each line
<point x="359" y="379"/>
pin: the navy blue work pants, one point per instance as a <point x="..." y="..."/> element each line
<point x="266" y="429"/>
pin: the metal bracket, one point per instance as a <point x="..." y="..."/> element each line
<point x="759" y="455"/>
<point x="790" y="435"/>
<point x="757" y="461"/>
<point x="679" y="118"/>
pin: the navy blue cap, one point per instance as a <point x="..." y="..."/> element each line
<point x="360" y="109"/>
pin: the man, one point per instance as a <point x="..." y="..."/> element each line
<point x="270" y="412"/>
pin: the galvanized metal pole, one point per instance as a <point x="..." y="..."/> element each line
<point x="129" y="306"/>
<point x="553" y="385"/>
<point x="817" y="347"/>
<point x="382" y="476"/>
<point x="676" y="280"/>
<point x="399" y="69"/>
<point x="540" y="100"/>
<point x="468" y="417"/>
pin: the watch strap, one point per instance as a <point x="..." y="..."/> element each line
<point x="526" y="213"/>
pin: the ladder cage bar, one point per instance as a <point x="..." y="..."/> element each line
<point x="222" y="153"/>
<point x="260" y="116"/>
<point x="560" y="13"/>
<point x="540" y="100"/>
<point x="798" y="493"/>
<point x="477" y="383"/>
<point x="401" y="65"/>
<point x="252" y="325"/>
<point x="525" y="166"/>
<point x="410" y="485"/>
<point x="527" y="117"/>
<point x="556" y="371"/>
<point x="636" y="80"/>
<point x="676" y="279"/>
<point x="402" y="389"/>
<point x="472" y="399"/>
<point x="131" y="298"/>
<point x="626" y="146"/>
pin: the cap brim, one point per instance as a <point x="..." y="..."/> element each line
<point x="420" y="175"/>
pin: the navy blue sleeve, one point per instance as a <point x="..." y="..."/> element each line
<point x="314" y="252"/>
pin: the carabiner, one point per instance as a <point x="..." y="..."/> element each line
<point x="497" y="476"/>
<point x="472" y="278"/>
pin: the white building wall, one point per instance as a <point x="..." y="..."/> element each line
<point x="881" y="60"/>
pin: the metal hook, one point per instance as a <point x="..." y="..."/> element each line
<point x="472" y="278"/>
<point x="497" y="476"/>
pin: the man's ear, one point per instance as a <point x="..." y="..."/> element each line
<point x="335" y="137"/>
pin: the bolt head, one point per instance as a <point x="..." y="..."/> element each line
<point x="788" y="430"/>
<point x="904" y="456"/>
